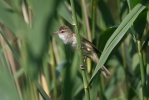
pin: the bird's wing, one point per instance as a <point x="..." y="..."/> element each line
<point x="85" y="40"/>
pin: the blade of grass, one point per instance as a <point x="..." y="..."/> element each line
<point x="42" y="92"/>
<point x="118" y="34"/>
<point x="128" y="20"/>
<point x="11" y="48"/>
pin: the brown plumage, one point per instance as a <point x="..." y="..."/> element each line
<point x="88" y="49"/>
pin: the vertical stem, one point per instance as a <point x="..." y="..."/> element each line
<point x="53" y="71"/>
<point x="80" y="51"/>
<point x="142" y="69"/>
<point x="93" y="35"/>
<point x="87" y="95"/>
<point x="124" y="64"/>
<point x="93" y="17"/>
<point x="102" y="87"/>
<point x="147" y="68"/>
<point x="87" y="31"/>
<point x="86" y="20"/>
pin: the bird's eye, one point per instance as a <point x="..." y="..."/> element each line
<point x="62" y="31"/>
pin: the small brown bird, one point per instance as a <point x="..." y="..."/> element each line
<point x="88" y="49"/>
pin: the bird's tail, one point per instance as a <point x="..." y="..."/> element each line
<point x="103" y="69"/>
<point x="105" y="72"/>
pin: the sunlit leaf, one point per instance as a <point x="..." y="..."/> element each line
<point x="118" y="34"/>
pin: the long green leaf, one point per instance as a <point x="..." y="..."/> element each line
<point x="42" y="92"/>
<point x="11" y="48"/>
<point x="118" y="34"/>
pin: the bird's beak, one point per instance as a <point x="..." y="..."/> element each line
<point x="55" y="32"/>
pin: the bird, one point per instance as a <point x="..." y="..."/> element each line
<point x="88" y="49"/>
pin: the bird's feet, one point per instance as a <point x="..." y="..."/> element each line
<point x="83" y="66"/>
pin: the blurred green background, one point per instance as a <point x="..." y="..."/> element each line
<point x="36" y="65"/>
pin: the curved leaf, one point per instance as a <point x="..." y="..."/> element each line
<point x="118" y="34"/>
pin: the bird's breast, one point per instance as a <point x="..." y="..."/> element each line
<point x="74" y="43"/>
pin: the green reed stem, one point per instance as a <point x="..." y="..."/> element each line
<point x="93" y="17"/>
<point x="53" y="71"/>
<point x="142" y="69"/>
<point x="124" y="65"/>
<point x="102" y="87"/>
<point x="80" y="51"/>
<point x="85" y="16"/>
<point x="86" y="30"/>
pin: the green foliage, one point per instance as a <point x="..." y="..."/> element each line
<point x="7" y="85"/>
<point x="36" y="65"/>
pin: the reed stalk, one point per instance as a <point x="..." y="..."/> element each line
<point x="80" y="51"/>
